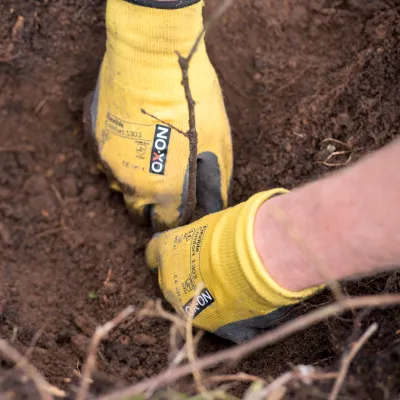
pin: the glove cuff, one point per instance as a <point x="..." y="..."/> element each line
<point x="139" y="29"/>
<point x="163" y="5"/>
<point x="236" y="261"/>
<point x="141" y="52"/>
<point x="254" y="270"/>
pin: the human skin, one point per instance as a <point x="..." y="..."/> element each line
<point x="340" y="227"/>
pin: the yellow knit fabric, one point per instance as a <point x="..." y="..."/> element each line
<point x="218" y="252"/>
<point x="140" y="70"/>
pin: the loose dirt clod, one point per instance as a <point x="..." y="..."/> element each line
<point x="80" y="345"/>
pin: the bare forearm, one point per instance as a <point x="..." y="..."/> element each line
<point x="341" y="226"/>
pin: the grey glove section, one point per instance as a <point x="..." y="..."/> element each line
<point x="208" y="192"/>
<point x="208" y="184"/>
<point x="243" y="331"/>
<point x="93" y="108"/>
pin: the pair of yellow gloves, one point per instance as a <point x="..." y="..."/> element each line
<point x="209" y="270"/>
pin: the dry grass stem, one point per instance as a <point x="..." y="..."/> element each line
<point x="239" y="377"/>
<point x="46" y="390"/>
<point x="271" y="337"/>
<point x="57" y="195"/>
<point x="100" y="333"/>
<point x="159" y="312"/>
<point x="337" y="153"/>
<point x="180" y="355"/>
<point x="336" y="141"/>
<point x="191" y="134"/>
<point x="328" y="164"/>
<point x="306" y="374"/>
<point x="348" y="358"/>
<point x="32" y="345"/>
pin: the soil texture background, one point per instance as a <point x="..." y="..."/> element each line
<point x="309" y="87"/>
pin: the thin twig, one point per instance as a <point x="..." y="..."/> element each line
<point x="45" y="389"/>
<point x="28" y="353"/>
<point x="348" y="358"/>
<point x="191" y="134"/>
<point x="99" y="334"/>
<point x="57" y="194"/>
<point x="164" y="123"/>
<point x="161" y="313"/>
<point x="176" y="355"/>
<point x="303" y="373"/>
<point x="184" y="62"/>
<point x="33" y="343"/>
<point x="336" y="141"/>
<point x="40" y="105"/>
<point x="271" y="337"/>
<point x="49" y="232"/>
<point x="328" y="164"/>
<point x="182" y="353"/>
<point x="239" y="377"/>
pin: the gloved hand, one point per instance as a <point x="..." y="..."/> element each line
<point x="143" y="157"/>
<point x="218" y="252"/>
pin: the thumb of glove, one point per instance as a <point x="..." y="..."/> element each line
<point x="152" y="252"/>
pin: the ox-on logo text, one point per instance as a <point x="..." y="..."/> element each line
<point x="159" y="151"/>
<point x="198" y="303"/>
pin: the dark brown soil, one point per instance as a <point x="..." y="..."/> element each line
<point x="294" y="74"/>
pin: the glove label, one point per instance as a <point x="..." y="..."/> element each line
<point x="159" y="151"/>
<point x="198" y="303"/>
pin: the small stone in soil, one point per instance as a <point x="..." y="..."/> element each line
<point x="288" y="148"/>
<point x="257" y="77"/>
<point x="330" y="148"/>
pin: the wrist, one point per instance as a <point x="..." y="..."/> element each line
<point x="285" y="241"/>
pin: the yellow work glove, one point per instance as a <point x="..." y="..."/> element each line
<point x="143" y="157"/>
<point x="218" y="254"/>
